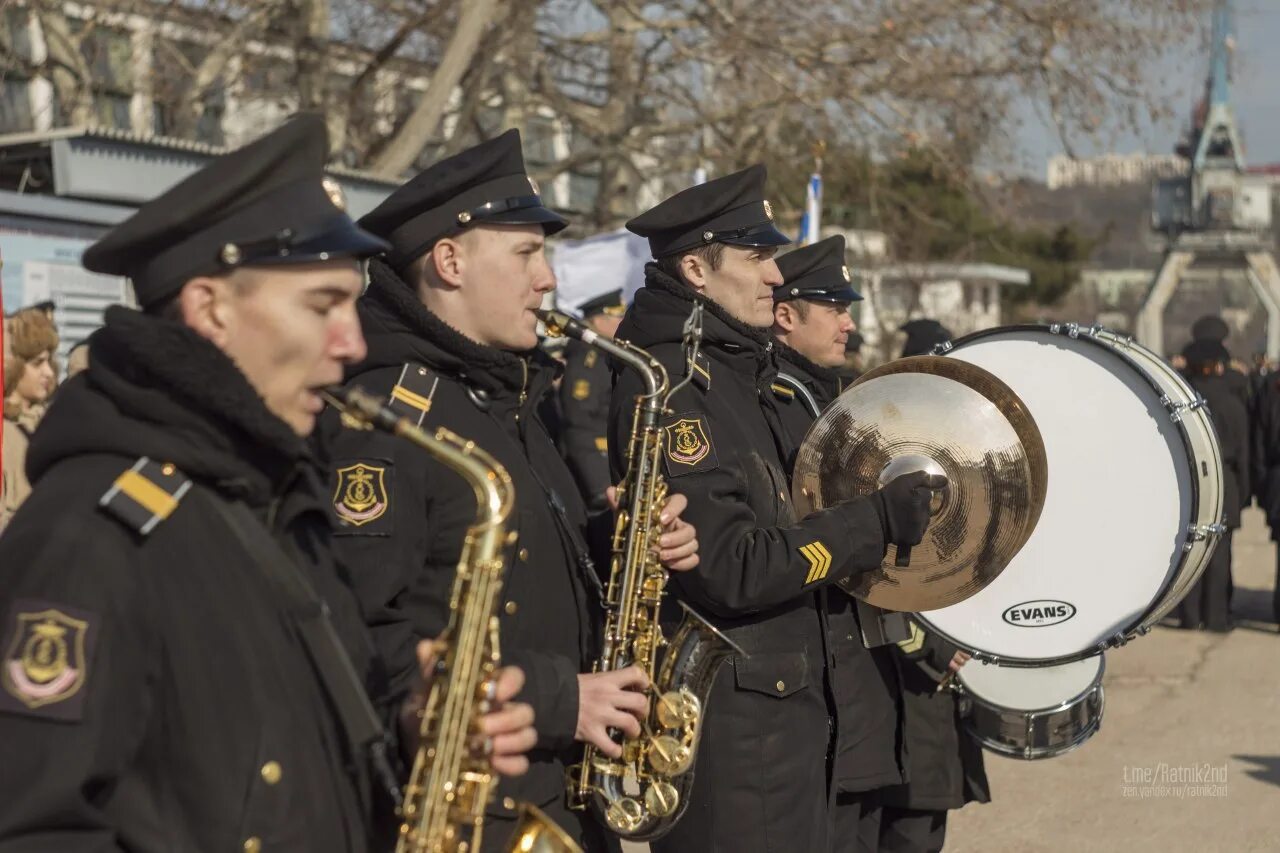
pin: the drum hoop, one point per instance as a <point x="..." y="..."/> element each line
<point x="1092" y="335"/>
<point x="1094" y="686"/>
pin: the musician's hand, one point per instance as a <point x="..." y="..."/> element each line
<point x="904" y="506"/>
<point x="611" y="700"/>
<point x="958" y="660"/>
<point x="508" y="728"/>
<point x="679" y="541"/>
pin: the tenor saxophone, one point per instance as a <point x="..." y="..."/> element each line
<point x="452" y="779"/>
<point x="642" y="794"/>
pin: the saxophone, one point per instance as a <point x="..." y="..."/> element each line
<point x="452" y="781"/>
<point x="642" y="795"/>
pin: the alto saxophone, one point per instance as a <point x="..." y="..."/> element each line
<point x="452" y="780"/>
<point x="642" y="794"/>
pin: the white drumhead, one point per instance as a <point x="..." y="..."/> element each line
<point x="1119" y="500"/>
<point x="1029" y="688"/>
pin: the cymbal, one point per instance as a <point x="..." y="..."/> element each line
<point x="940" y="415"/>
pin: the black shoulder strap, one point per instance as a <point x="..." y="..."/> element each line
<point x="801" y="392"/>
<point x="145" y="495"/>
<point x="329" y="658"/>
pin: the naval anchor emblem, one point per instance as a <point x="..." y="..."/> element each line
<point x="361" y="495"/>
<point x="45" y="662"/>
<point x="687" y="442"/>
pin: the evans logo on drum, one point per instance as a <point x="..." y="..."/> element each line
<point x="1037" y="614"/>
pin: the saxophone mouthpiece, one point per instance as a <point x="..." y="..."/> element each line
<point x="561" y="325"/>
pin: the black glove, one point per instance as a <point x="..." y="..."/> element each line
<point x="903" y="505"/>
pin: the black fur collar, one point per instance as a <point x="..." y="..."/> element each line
<point x="659" y="280"/>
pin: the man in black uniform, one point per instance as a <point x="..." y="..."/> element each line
<point x="811" y="324"/>
<point x="762" y="776"/>
<point x="1208" y="604"/>
<point x="452" y="341"/>
<point x="183" y="668"/>
<point x="584" y="401"/>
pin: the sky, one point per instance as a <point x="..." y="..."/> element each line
<point x="1255" y="96"/>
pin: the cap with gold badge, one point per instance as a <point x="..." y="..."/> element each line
<point x="731" y="209"/>
<point x="267" y="203"/>
<point x="816" y="273"/>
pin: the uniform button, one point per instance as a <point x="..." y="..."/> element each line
<point x="848" y="636"/>
<point x="252" y="844"/>
<point x="524" y="554"/>
<point x="782" y="495"/>
<point x="508" y="803"/>
<point x="782" y="685"/>
<point x="511" y="608"/>
<point x="271" y="772"/>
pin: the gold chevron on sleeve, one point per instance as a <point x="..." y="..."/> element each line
<point x="915" y="642"/>
<point x="819" y="561"/>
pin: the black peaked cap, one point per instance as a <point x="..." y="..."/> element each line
<point x="267" y="203"/>
<point x="731" y="209"/>
<point x="817" y="273"/>
<point x="1210" y="328"/>
<point x="486" y="184"/>
<point x="923" y="336"/>
<point x="606" y="303"/>
<point x="1204" y="352"/>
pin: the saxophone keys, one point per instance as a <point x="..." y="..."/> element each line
<point x="677" y="708"/>
<point x="668" y="756"/>
<point x="624" y="815"/>
<point x="661" y="798"/>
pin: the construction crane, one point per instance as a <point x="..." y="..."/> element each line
<point x="1217" y="218"/>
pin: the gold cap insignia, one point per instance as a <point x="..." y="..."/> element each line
<point x="46" y="661"/>
<point x="687" y="442"/>
<point x="334" y="191"/>
<point x="361" y="494"/>
<point x="845" y="270"/>
<point x="230" y="254"/>
<point x="768" y="210"/>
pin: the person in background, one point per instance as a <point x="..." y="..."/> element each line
<point x="77" y="359"/>
<point x="584" y="401"/>
<point x="922" y="336"/>
<point x="854" y="364"/>
<point x="30" y="343"/>
<point x="1208" y="604"/>
<point x="1212" y="329"/>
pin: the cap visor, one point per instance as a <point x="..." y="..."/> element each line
<point x="769" y="236"/>
<point x="345" y="239"/>
<point x="550" y="221"/>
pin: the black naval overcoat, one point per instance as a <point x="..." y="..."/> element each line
<point x="157" y="695"/>
<point x="403" y="559"/>
<point x="865" y="681"/>
<point x="584" y="420"/>
<point x="762" y="780"/>
<point x="944" y="763"/>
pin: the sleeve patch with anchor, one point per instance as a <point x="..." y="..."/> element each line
<point x="687" y="447"/>
<point x="47" y="650"/>
<point x="362" y="496"/>
<point x="819" y="561"/>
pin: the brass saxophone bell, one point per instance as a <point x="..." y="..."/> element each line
<point x="537" y="833"/>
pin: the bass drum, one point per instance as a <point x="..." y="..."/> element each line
<point x="1031" y="713"/>
<point x="1133" y="507"/>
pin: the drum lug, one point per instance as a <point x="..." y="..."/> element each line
<point x="1199" y="533"/>
<point x="1074" y="330"/>
<point x="1115" y="642"/>
<point x="1177" y="410"/>
<point x="942" y="348"/>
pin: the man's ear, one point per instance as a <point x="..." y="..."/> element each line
<point x="694" y="270"/>
<point x="206" y="307"/>
<point x="448" y="261"/>
<point x="784" y="317"/>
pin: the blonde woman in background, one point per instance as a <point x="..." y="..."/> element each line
<point x="31" y="339"/>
